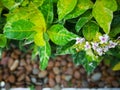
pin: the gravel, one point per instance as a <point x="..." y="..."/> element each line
<point x="18" y="70"/>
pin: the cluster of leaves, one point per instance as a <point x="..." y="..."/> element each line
<point x="56" y="24"/>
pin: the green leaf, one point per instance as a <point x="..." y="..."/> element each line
<point x="47" y="10"/>
<point x="118" y="2"/>
<point x="102" y="15"/>
<point x="59" y="35"/>
<point x="11" y="4"/>
<point x="87" y="59"/>
<point x="81" y="7"/>
<point x="82" y="21"/>
<point x="79" y="58"/>
<point x="90" y="30"/>
<point x="64" y="7"/>
<point x="38" y="2"/>
<point x="1" y="8"/>
<point x="44" y="53"/>
<point x="20" y="29"/>
<point x="35" y="52"/>
<point x="3" y="41"/>
<point x="66" y="49"/>
<point x="115" y="30"/>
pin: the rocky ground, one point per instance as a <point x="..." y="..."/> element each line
<point x="18" y="70"/>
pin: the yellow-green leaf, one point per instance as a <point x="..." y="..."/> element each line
<point x="64" y="7"/>
<point x="39" y="40"/>
<point x="110" y="4"/>
<point x="103" y="16"/>
<point x="117" y="66"/>
<point x="81" y="7"/>
<point x="31" y="13"/>
<point x="60" y="35"/>
<point x="38" y="2"/>
<point x="11" y="4"/>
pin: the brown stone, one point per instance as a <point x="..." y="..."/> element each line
<point x="4" y="61"/>
<point x="27" y="78"/>
<point x="28" y="56"/>
<point x="35" y="71"/>
<point x="10" y="62"/>
<point x="63" y="63"/>
<point x="11" y="79"/>
<point x="0" y="77"/>
<point x="69" y="71"/>
<point x="77" y="74"/>
<point x="58" y="78"/>
<point x="7" y="86"/>
<point x="38" y="87"/>
<point x="64" y="83"/>
<point x="51" y="82"/>
<point x="28" y="68"/>
<point x="14" y="56"/>
<point x="28" y="61"/>
<point x="51" y="75"/>
<point x="21" y="77"/>
<point x="73" y="81"/>
<point x="57" y="64"/>
<point x="42" y="74"/>
<point x="20" y="84"/>
<point x="17" y="52"/>
<point x="63" y="69"/>
<point x="109" y="79"/>
<point x="20" y="68"/>
<point x="22" y="62"/>
<point x="14" y="65"/>
<point x="5" y="76"/>
<point x="56" y="70"/>
<point x="50" y="65"/>
<point x="4" y="54"/>
<point x="70" y="64"/>
<point x="115" y="84"/>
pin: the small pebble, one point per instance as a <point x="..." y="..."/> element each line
<point x="58" y="78"/>
<point x="14" y="65"/>
<point x="96" y="77"/>
<point x="2" y="83"/>
<point x="35" y="71"/>
<point x="56" y="70"/>
<point x="51" y="82"/>
<point x="68" y="77"/>
<point x="77" y="75"/>
<point x="42" y="74"/>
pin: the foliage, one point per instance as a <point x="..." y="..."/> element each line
<point x="87" y="29"/>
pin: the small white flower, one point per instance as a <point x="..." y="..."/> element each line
<point x="94" y="45"/>
<point x="99" y="51"/>
<point x="104" y="39"/>
<point x="106" y="48"/>
<point x="79" y="40"/>
<point x="112" y="44"/>
<point x="87" y="46"/>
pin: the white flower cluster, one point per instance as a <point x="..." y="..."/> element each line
<point x="99" y="47"/>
